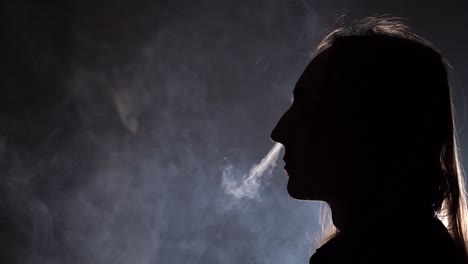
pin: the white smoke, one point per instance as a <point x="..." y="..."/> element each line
<point x="251" y="182"/>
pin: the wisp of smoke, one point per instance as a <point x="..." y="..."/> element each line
<point x="251" y="182"/>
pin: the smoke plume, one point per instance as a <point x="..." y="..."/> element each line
<point x="251" y="182"/>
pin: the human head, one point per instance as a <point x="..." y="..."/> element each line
<point x="372" y="124"/>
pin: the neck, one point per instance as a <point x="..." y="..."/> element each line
<point x="374" y="216"/>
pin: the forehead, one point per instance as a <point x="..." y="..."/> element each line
<point x="315" y="74"/>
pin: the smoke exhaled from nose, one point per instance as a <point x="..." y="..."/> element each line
<point x="250" y="183"/>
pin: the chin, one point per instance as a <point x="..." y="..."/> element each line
<point x="299" y="191"/>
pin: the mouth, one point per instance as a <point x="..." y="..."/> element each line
<point x="288" y="168"/>
<point x="288" y="165"/>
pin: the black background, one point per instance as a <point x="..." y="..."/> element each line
<point x="118" y="118"/>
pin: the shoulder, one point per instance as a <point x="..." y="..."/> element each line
<point x="434" y="245"/>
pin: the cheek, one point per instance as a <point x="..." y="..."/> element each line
<point x="318" y="164"/>
<point x="318" y="149"/>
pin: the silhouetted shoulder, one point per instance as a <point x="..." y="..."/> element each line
<point x="431" y="244"/>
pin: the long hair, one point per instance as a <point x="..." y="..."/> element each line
<point x="446" y="186"/>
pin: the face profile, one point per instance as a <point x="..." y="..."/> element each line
<point x="308" y="133"/>
<point x="371" y="132"/>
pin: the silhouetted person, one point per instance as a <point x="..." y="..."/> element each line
<point x="371" y="133"/>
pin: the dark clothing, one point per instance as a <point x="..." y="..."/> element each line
<point x="427" y="242"/>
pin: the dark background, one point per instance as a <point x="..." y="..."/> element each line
<point x="117" y="119"/>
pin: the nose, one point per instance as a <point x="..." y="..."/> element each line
<point x="278" y="133"/>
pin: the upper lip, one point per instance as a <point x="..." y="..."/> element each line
<point x="288" y="160"/>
